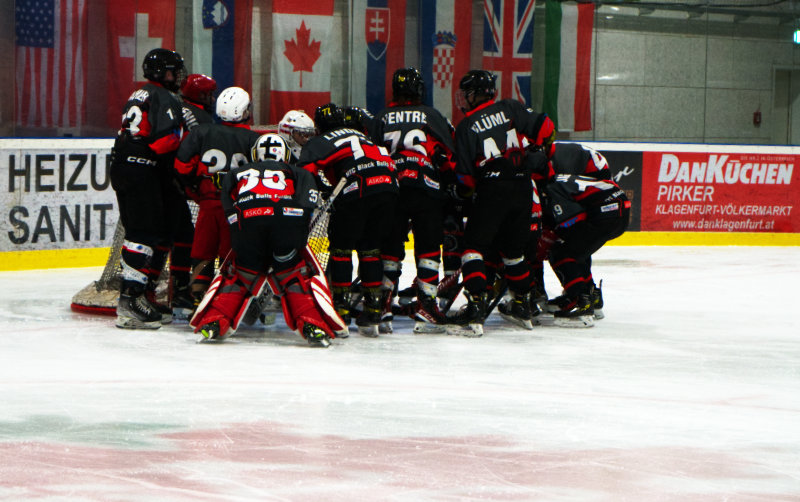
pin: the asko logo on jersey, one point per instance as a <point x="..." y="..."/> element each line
<point x="377" y="180"/>
<point x="258" y="211"/>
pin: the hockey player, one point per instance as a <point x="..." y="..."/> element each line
<point x="565" y="158"/>
<point x="420" y="140"/>
<point x="296" y="128"/>
<point x="362" y="211"/>
<point x="269" y="204"/>
<point x="362" y="120"/>
<point x="584" y="213"/>
<point x="198" y="100"/>
<point x="152" y="207"/>
<point x="205" y="155"/>
<point x="491" y="144"/>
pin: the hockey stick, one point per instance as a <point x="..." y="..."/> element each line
<point x="325" y="207"/>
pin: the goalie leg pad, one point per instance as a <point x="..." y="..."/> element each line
<point x="227" y="300"/>
<point x="299" y="299"/>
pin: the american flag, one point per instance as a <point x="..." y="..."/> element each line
<point x="508" y="46"/>
<point x="51" y="62"/>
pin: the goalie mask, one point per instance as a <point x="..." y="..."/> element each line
<point x="233" y="105"/>
<point x="270" y="146"/>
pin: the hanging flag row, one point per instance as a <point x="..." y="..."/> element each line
<point x="53" y="47"/>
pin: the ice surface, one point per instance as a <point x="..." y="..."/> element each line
<point x="688" y="390"/>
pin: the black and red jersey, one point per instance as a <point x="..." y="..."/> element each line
<point x="268" y="189"/>
<point x="153" y="116"/>
<point x="492" y="141"/>
<point x="213" y="148"/>
<point x="574" y="158"/>
<point x="420" y="140"/>
<point x="367" y="167"/>
<point x="194" y="115"/>
<point x="569" y="198"/>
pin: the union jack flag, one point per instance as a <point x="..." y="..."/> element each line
<point x="508" y="46"/>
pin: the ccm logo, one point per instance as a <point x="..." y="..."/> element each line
<point x="377" y="180"/>
<point x="140" y="160"/>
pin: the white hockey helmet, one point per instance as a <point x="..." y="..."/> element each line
<point x="233" y="105"/>
<point x="270" y="146"/>
<point x="296" y="121"/>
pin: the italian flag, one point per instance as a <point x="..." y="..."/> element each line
<point x="568" y="64"/>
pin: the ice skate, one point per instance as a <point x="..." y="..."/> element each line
<point x="469" y="320"/>
<point x="164" y="310"/>
<point x="427" y="317"/>
<point x="316" y="336"/>
<point x="517" y="310"/>
<point x="597" y="300"/>
<point x="370" y="318"/>
<point x="135" y="312"/>
<point x="577" y="314"/>
<point x="211" y="332"/>
<point x="183" y="303"/>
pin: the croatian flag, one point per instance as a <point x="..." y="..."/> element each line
<point x="134" y="28"/>
<point x="445" y="39"/>
<point x="378" y="50"/>
<point x="221" y="42"/>
<point x="568" y="65"/>
<point x="302" y="49"/>
<point x="508" y="46"/>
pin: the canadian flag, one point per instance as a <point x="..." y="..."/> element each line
<point x="134" y="28"/>
<point x="301" y="57"/>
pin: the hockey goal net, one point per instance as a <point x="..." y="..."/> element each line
<point x="101" y="296"/>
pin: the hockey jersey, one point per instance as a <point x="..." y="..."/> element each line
<point x="574" y="158"/>
<point x="570" y="198"/>
<point x="492" y="140"/>
<point x="209" y="149"/>
<point x="420" y="140"/>
<point x="268" y="189"/>
<point x="194" y="115"/>
<point x="347" y="153"/>
<point x="152" y="116"/>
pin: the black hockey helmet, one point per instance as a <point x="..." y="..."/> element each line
<point x="408" y="83"/>
<point x="156" y="64"/>
<point x="355" y="117"/>
<point x="478" y="83"/>
<point x="328" y="117"/>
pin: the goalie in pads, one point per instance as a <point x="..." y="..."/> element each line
<point x="269" y="204"/>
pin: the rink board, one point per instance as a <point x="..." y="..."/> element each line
<point x="60" y="210"/>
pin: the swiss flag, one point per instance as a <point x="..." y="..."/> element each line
<point x="301" y="57"/>
<point x="133" y="29"/>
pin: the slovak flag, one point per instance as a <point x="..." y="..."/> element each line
<point x="134" y="28"/>
<point x="445" y="38"/>
<point x="378" y="50"/>
<point x="301" y="56"/>
<point x="508" y="46"/>
<point x="221" y="42"/>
